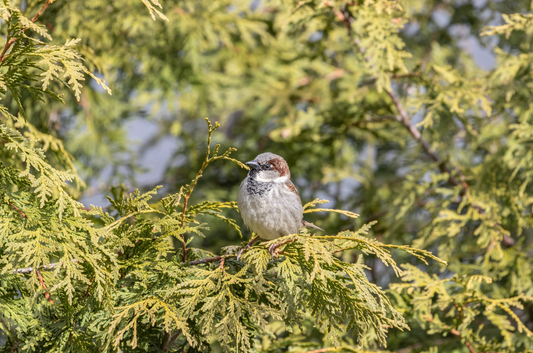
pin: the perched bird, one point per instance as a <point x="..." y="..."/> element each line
<point x="269" y="202"/>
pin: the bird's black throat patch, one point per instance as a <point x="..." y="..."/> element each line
<point x="255" y="187"/>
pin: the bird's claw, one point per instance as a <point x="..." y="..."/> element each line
<point x="273" y="250"/>
<point x="241" y="251"/>
<point x="248" y="246"/>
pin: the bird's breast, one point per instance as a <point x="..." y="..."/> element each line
<point x="269" y="210"/>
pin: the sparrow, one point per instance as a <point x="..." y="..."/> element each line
<point x="269" y="202"/>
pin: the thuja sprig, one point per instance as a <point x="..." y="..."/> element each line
<point x="187" y="190"/>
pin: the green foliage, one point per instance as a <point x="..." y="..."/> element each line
<point x="381" y="107"/>
<point x="430" y="295"/>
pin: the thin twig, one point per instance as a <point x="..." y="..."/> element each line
<point x="164" y="344"/>
<point x="88" y="291"/>
<point x="41" y="282"/>
<point x="287" y="242"/>
<point x="43" y="267"/>
<point x="18" y="210"/>
<point x="208" y="159"/>
<point x="10" y="42"/>
<point x="191" y="188"/>
<point x="404" y="119"/>
<point x="467" y="344"/>
<point x="347" y="19"/>
<point x="171" y="340"/>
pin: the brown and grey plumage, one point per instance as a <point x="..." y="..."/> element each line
<point x="269" y="202"/>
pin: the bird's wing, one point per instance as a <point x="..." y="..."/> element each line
<point x="293" y="189"/>
<point x="304" y="224"/>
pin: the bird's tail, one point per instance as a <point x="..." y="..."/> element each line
<point x="306" y="224"/>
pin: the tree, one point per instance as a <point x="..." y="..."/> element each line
<point x="378" y="105"/>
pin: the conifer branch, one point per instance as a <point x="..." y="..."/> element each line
<point x="165" y="345"/>
<point x="43" y="267"/>
<point x="404" y="119"/>
<point x="41" y="282"/>
<point x="10" y="42"/>
<point x="18" y="210"/>
<point x="347" y="18"/>
<point x="88" y="291"/>
<point x="208" y="159"/>
<point x="170" y="339"/>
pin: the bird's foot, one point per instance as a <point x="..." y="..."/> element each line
<point x="273" y="249"/>
<point x="248" y="246"/>
<point x="241" y="251"/>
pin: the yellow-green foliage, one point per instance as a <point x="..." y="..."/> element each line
<point x="377" y="104"/>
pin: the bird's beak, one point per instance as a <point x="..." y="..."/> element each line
<point x="253" y="165"/>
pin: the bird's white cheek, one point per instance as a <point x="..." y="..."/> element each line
<point x="280" y="180"/>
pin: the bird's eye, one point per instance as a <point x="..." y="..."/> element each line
<point x="267" y="166"/>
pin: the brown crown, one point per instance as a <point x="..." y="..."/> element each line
<point x="280" y="166"/>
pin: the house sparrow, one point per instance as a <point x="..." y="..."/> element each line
<point x="269" y="202"/>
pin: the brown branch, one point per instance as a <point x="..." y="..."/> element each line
<point x="347" y="19"/>
<point x="87" y="292"/>
<point x="164" y="344"/>
<point x="18" y="210"/>
<point x="169" y="341"/>
<point x="193" y="183"/>
<point x="34" y="18"/>
<point x="467" y="344"/>
<point x="404" y="119"/>
<point x="41" y="282"/>
<point x="10" y="42"/>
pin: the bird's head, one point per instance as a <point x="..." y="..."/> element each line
<point x="268" y="167"/>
